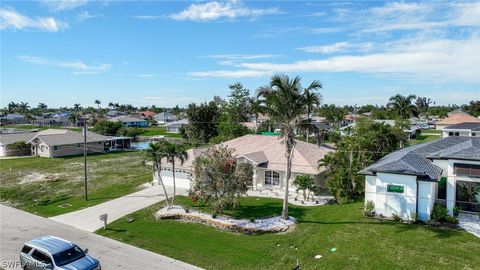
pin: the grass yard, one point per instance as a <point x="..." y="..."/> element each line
<point x="152" y="131"/>
<point x="360" y="243"/>
<point x="41" y="128"/>
<point x="424" y="138"/>
<point x="40" y="185"/>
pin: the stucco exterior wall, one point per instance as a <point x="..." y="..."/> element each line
<point x="427" y="193"/>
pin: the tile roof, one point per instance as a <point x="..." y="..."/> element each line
<point x="416" y="160"/>
<point x="270" y="151"/>
<point x="473" y="126"/>
<point x="10" y="138"/>
<point x="458" y="118"/>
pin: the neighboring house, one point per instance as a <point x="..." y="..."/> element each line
<point x="13" y="118"/>
<point x="462" y="129"/>
<point x="266" y="154"/>
<point x="456" y="118"/>
<point x="411" y="180"/>
<point x="113" y="113"/>
<point x="174" y="127"/>
<point x="59" y="143"/>
<point x="129" y="121"/>
<point x="411" y="132"/>
<point x="164" y="117"/>
<point x="8" y="140"/>
<point x="146" y="114"/>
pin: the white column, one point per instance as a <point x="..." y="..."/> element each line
<point x="255" y="177"/>
<point x="451" y="188"/>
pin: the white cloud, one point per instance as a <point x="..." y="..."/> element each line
<point x="215" y="10"/>
<point x="11" y="19"/>
<point x="468" y="14"/>
<point x="147" y="75"/>
<point x="441" y="59"/>
<point x="85" y="15"/>
<point x="148" y="17"/>
<point x="61" y="5"/>
<point x="337" y="47"/>
<point x="79" y="67"/>
<point x="240" y="56"/>
<point x="400" y="7"/>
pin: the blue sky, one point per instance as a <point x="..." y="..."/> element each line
<point x="168" y="53"/>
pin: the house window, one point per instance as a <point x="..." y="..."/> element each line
<point x="395" y="188"/>
<point x="79" y="145"/>
<point x="450" y="134"/>
<point x="470" y="170"/>
<point x="474" y="134"/>
<point x="272" y="178"/>
<point x="457" y="134"/>
<point x="56" y="148"/>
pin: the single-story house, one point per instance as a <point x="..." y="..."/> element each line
<point x="13" y="118"/>
<point x="174" y="127"/>
<point x="462" y="129"/>
<point x="456" y="118"/>
<point x="129" y="121"/>
<point x="146" y="114"/>
<point x="266" y="154"/>
<point x="60" y="142"/>
<point x="8" y="140"/>
<point x="164" y="117"/>
<point x="411" y="180"/>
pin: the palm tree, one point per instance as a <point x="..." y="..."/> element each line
<point x="155" y="152"/>
<point x="98" y="102"/>
<point x="312" y="99"/>
<point x="73" y="118"/>
<point x="256" y="108"/>
<point x="42" y="106"/>
<point x="24" y="107"/>
<point x="284" y="103"/>
<point x="77" y="107"/>
<point x="403" y="106"/>
<point x="172" y="152"/>
<point x="12" y="107"/>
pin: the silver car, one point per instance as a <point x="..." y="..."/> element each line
<point x="50" y="252"/>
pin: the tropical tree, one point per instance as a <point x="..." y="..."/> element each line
<point x="29" y="117"/>
<point x="202" y="122"/>
<point x="312" y="99"/>
<point x="77" y="107"/>
<point x="284" y="102"/>
<point x="175" y="152"/>
<point x="111" y="105"/>
<point x="219" y="180"/>
<point x="304" y="183"/>
<point x="98" y="102"/>
<point x="12" y="107"/>
<point x="256" y="109"/>
<point x="42" y="107"/>
<point x="73" y="118"/>
<point x="403" y="106"/>
<point x="155" y="152"/>
<point x="23" y="107"/>
<point x="423" y="103"/>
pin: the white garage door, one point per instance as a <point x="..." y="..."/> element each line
<point x="181" y="178"/>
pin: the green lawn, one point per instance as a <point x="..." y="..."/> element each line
<point x="152" y="131"/>
<point x="432" y="131"/>
<point x="360" y="243"/>
<point x="424" y="138"/>
<point x="40" y="128"/>
<point x="40" y="185"/>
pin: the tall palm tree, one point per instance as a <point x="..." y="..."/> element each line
<point x="403" y="106"/>
<point x="77" y="107"/>
<point x="98" y="102"/>
<point x="24" y="107"/>
<point x="284" y="103"/>
<point x="12" y="107"/>
<point x="73" y="118"/>
<point x="312" y="99"/>
<point x="155" y="152"/>
<point x="175" y="152"/>
<point x="42" y="106"/>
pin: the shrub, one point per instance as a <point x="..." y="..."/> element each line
<point x="413" y="217"/>
<point x="396" y="217"/>
<point x="452" y="220"/>
<point x="439" y="213"/>
<point x="252" y="219"/>
<point x="456" y="211"/>
<point x="369" y="209"/>
<point x="304" y="183"/>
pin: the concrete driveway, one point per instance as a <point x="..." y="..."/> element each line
<point x="18" y="226"/>
<point x="88" y="219"/>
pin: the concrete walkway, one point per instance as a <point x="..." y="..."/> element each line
<point x="18" y="227"/>
<point x="470" y="223"/>
<point x="88" y="219"/>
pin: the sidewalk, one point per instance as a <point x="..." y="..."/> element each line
<point x="88" y="219"/>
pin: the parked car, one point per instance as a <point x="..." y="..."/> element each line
<point x="50" y="252"/>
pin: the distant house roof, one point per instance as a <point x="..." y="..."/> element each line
<point x="14" y="116"/>
<point x="269" y="152"/>
<point x="416" y="160"/>
<point x="178" y="123"/>
<point x="458" y="118"/>
<point x="127" y="119"/>
<point x="10" y="138"/>
<point x="163" y="116"/>
<point x="473" y="126"/>
<point x="147" y="113"/>
<point x="53" y="137"/>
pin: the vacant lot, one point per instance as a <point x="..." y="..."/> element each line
<point x="53" y="186"/>
<point x="358" y="242"/>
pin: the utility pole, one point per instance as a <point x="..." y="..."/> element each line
<point x="85" y="156"/>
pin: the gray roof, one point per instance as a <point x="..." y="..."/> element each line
<point x="10" y="138"/>
<point x="473" y="126"/>
<point x="416" y="160"/>
<point x="178" y="123"/>
<point x="126" y="119"/>
<point x="53" y="137"/>
<point x="257" y="157"/>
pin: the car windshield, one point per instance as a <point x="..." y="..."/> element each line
<point x="68" y="256"/>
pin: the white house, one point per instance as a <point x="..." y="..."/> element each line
<point x="8" y="140"/>
<point x="266" y="154"/>
<point x="413" y="179"/>
<point x="174" y="127"/>
<point x="164" y="117"/>
<point x="462" y="129"/>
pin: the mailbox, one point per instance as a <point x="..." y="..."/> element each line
<point x="103" y="218"/>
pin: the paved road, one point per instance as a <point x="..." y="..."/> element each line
<point x="88" y="219"/>
<point x="18" y="226"/>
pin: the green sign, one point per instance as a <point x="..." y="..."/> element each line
<point x="395" y="188"/>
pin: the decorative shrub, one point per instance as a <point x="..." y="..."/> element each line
<point x="396" y="217"/>
<point x="369" y="209"/>
<point x="456" y="211"/>
<point x="413" y="217"/>
<point x="439" y="213"/>
<point x="452" y="220"/>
